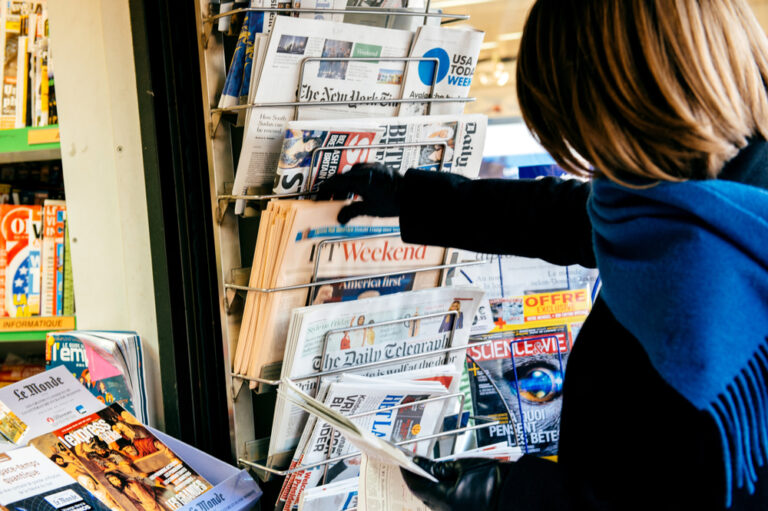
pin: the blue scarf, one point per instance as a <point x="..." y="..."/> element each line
<point x="684" y="268"/>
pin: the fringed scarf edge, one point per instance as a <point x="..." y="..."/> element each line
<point x="741" y="416"/>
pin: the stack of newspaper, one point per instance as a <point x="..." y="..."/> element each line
<point x="287" y="253"/>
<point x="347" y="71"/>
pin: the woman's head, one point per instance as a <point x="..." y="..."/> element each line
<point x="663" y="89"/>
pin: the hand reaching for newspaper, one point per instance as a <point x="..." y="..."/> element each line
<point x="469" y="483"/>
<point x="376" y="184"/>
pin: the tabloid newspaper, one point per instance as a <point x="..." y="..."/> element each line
<point x="463" y="135"/>
<point x="457" y="51"/>
<point x="285" y="254"/>
<point x="357" y="397"/>
<point x="29" y="480"/>
<point x="364" y="342"/>
<point x="290" y="42"/>
<point x="537" y="310"/>
<point x="320" y="4"/>
<point x="124" y="460"/>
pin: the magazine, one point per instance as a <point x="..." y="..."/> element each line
<point x="29" y="480"/>
<point x="20" y="229"/>
<point x="40" y="403"/>
<point x="461" y="137"/>
<point x="136" y="469"/>
<point x="364" y="342"/>
<point x="68" y="350"/>
<point x="457" y="51"/>
<point x="285" y="254"/>
<point x="290" y="42"/>
<point x="524" y="367"/>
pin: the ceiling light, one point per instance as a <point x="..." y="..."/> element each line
<point x="489" y="45"/>
<point x="510" y="36"/>
<point x="445" y="4"/>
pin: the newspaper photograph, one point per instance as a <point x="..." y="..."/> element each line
<point x="303" y="166"/>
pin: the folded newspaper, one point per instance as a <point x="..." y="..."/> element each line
<point x="373" y="446"/>
<point x="287" y="247"/>
<point x="374" y="405"/>
<point x="449" y="143"/>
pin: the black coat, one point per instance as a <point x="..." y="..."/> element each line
<point x="627" y="439"/>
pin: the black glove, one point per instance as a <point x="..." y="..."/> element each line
<point x="376" y="184"/>
<point x="470" y="483"/>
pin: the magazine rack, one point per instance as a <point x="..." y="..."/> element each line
<point x="248" y="439"/>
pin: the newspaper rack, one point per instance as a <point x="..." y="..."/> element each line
<point x="265" y="471"/>
<point x="217" y="112"/>
<point x="224" y="199"/>
<point x="247" y="437"/>
<point x="378" y="11"/>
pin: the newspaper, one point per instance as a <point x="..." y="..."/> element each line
<point x="338" y="496"/>
<point x="43" y="402"/>
<point x="355" y="398"/>
<point x="347" y="349"/>
<point x="285" y="253"/>
<point x="461" y="137"/>
<point x="291" y="41"/>
<point x="320" y="4"/>
<point x="382" y="486"/>
<point x="457" y="51"/>
<point x="28" y="480"/>
<point x="367" y="443"/>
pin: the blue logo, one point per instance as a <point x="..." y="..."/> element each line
<point x="427" y="68"/>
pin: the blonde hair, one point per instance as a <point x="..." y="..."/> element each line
<point x="662" y="89"/>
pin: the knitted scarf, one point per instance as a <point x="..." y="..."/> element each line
<point x="684" y="268"/>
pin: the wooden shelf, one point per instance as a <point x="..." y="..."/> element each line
<point x="30" y="144"/>
<point x="33" y="328"/>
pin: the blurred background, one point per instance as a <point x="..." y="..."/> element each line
<point x="502" y="21"/>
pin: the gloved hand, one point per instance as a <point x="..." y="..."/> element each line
<point x="469" y="483"/>
<point x="376" y="184"/>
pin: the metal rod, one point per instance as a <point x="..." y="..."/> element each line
<point x="365" y="366"/>
<point x="327" y="335"/>
<point x="352" y="455"/>
<point x="291" y="104"/>
<point x="435" y="61"/>
<point x="356" y="10"/>
<point x="352" y="279"/>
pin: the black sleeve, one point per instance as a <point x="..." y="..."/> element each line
<point x="533" y="483"/>
<point x="545" y="218"/>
